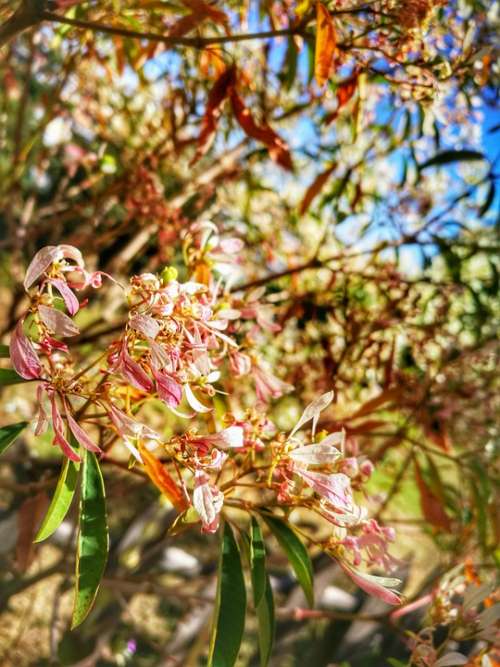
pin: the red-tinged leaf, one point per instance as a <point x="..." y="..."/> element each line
<point x="158" y="474"/>
<point x="211" y="13"/>
<point x="375" y="403"/>
<point x="29" y="517"/>
<point x="200" y="11"/>
<point x="432" y="507"/>
<point x="278" y="150"/>
<point x="326" y="44"/>
<point x="345" y="91"/>
<point x="367" y="426"/>
<point x="315" y="188"/>
<point x="216" y="97"/>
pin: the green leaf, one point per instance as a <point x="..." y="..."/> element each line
<point x="4" y="351"/>
<point x="257" y="562"/>
<point x="230" y="605"/>
<point x="296" y="553"/>
<point x="447" y="157"/>
<point x="92" y="548"/>
<point x="61" y="501"/>
<point x="9" y="433"/>
<point x="267" y="625"/>
<point x="9" y="376"/>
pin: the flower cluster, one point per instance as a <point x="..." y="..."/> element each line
<point x="179" y="343"/>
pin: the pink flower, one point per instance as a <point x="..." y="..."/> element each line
<point x="132" y="430"/>
<point x="207" y="501"/>
<point x="313" y="411"/>
<point x="321" y="453"/>
<point x="268" y="386"/>
<point x="228" y="438"/>
<point x="23" y="355"/>
<point x="80" y="435"/>
<point x="132" y="371"/>
<point x="145" y="325"/>
<point x="59" y="430"/>
<point x="336" y="488"/>
<point x="168" y="389"/>
<point x="67" y="294"/>
<point x="380" y="587"/>
<point x="59" y="323"/>
<point x="47" y="256"/>
<point x="240" y="363"/>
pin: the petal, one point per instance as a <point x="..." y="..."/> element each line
<point x="134" y="373"/>
<point x="168" y="389"/>
<point x="60" y="437"/>
<point x="194" y="402"/>
<point x="312" y="411"/>
<point x="59" y="323"/>
<point x="23" y="355"/>
<point x="39" y="264"/>
<point x="145" y="325"/>
<point x="79" y="433"/>
<point x="67" y="294"/>
<point x="317" y="454"/>
<point x="380" y="587"/>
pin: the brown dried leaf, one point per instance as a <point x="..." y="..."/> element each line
<point x="278" y="149"/>
<point x="315" y="188"/>
<point x="326" y="44"/>
<point x="216" y="97"/>
<point x="432" y="508"/>
<point x="29" y="518"/>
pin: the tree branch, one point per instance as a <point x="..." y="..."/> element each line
<point x="28" y="14"/>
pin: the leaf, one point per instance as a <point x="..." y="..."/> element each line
<point x="93" y="538"/>
<point x="216" y="97"/>
<point x="489" y="200"/>
<point x="257" y="562"/>
<point x="160" y="477"/>
<point x="200" y="11"/>
<point x="28" y="519"/>
<point x="326" y="44"/>
<point x="447" y="157"/>
<point x="432" y="507"/>
<point x="315" y="188"/>
<point x="61" y="501"/>
<point x="230" y="606"/>
<point x="296" y="553"/>
<point x="344" y="93"/>
<point x="4" y="351"/>
<point x="9" y="433"/>
<point x="267" y="624"/>
<point x="278" y="149"/>
<point x="9" y="376"/>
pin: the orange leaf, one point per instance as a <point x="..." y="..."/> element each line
<point x="326" y="44"/>
<point x="216" y="97"/>
<point x="315" y="188"/>
<point x="432" y="508"/>
<point x="345" y="91"/>
<point x="278" y="149"/>
<point x="158" y="474"/>
<point x="200" y="11"/>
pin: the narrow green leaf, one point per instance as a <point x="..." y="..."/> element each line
<point x="4" y="351"/>
<point x="92" y="548"/>
<point x="9" y="376"/>
<point x="267" y="624"/>
<point x="490" y="197"/>
<point x="296" y="553"/>
<point x="230" y="606"/>
<point x="447" y="157"/>
<point x="9" y="433"/>
<point x="257" y="562"/>
<point x="61" y="501"/>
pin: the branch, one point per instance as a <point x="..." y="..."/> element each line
<point x="28" y="14"/>
<point x="170" y="40"/>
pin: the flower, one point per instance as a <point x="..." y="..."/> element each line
<point x="23" y="354"/>
<point x="207" y="501"/>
